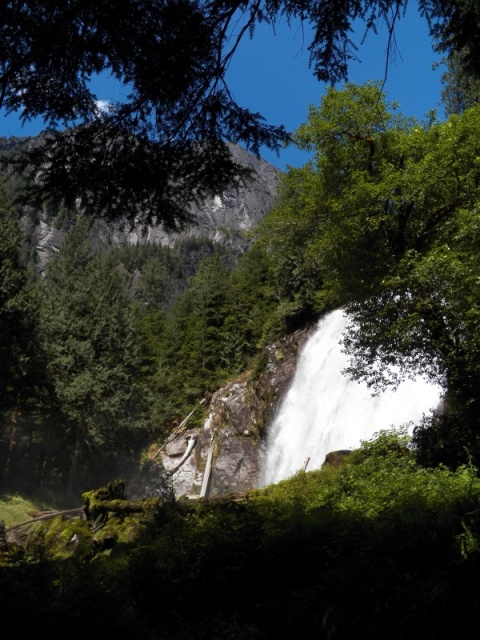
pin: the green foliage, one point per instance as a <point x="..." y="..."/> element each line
<point x="212" y="331"/>
<point x="423" y="316"/>
<point x="159" y="275"/>
<point x="457" y="34"/>
<point x="17" y="310"/>
<point x="253" y="302"/>
<point x="285" y="236"/>
<point x="330" y="219"/>
<point x="92" y="357"/>
<point x="379" y="544"/>
<point x="387" y="214"/>
<point x="460" y="90"/>
<point x="15" y="509"/>
<point x="163" y="145"/>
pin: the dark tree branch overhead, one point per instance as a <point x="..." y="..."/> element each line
<point x="148" y="156"/>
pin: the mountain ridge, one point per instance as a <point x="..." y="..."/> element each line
<point x="225" y="218"/>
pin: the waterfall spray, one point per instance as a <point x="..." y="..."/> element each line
<point x="325" y="411"/>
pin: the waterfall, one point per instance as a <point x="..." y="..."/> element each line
<point x="325" y="411"/>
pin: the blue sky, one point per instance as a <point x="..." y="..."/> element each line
<point x="270" y="74"/>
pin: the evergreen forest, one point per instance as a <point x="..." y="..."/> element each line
<point x="107" y="351"/>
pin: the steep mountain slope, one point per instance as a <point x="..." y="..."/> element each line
<point x="225" y="218"/>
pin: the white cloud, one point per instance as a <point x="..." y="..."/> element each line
<point x="102" y="106"/>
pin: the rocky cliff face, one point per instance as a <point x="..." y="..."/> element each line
<point x="223" y="218"/>
<point x="226" y="455"/>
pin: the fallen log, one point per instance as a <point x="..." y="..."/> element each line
<point x="52" y="514"/>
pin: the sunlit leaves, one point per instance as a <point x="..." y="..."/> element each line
<point x="389" y="210"/>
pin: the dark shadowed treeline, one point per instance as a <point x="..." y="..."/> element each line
<point x="379" y="544"/>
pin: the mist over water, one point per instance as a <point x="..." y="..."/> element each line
<point x="324" y="411"/>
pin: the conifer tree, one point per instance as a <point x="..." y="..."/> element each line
<point x="88" y="334"/>
<point x="16" y="307"/>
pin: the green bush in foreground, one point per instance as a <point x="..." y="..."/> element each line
<point x="379" y="544"/>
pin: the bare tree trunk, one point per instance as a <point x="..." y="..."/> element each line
<point x="75" y="461"/>
<point x="12" y="431"/>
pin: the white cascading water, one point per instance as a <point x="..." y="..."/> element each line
<point x="324" y="411"/>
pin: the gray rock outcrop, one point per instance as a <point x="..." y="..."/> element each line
<point x="224" y="218"/>
<point x="232" y="433"/>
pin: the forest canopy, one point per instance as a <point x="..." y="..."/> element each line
<point x="384" y="222"/>
<point x="148" y="156"/>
